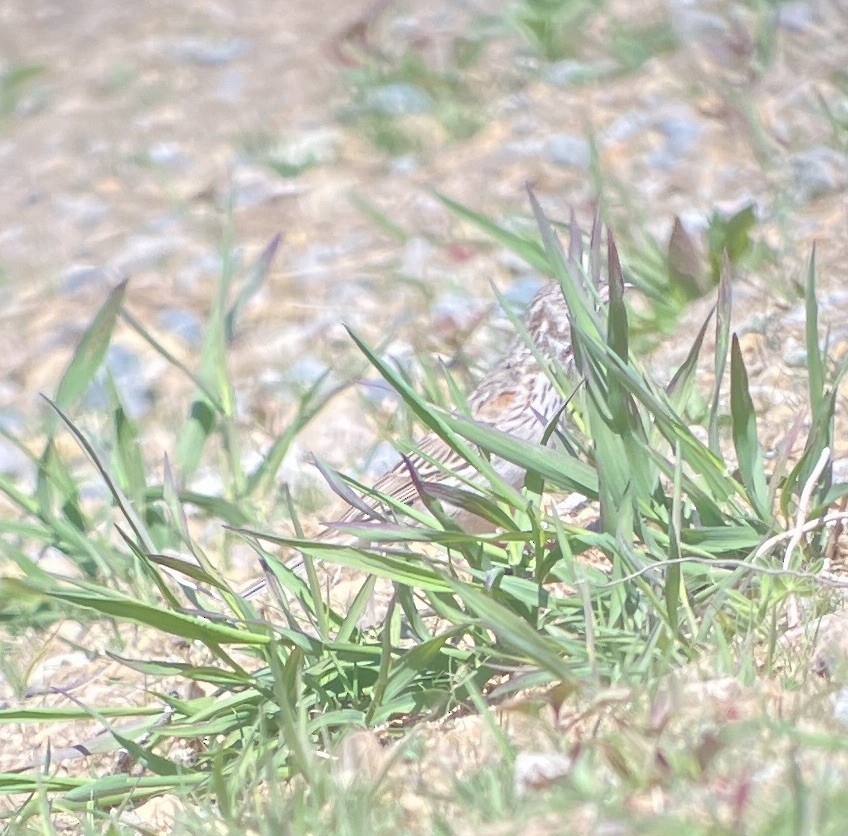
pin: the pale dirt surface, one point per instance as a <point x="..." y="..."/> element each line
<point x="125" y="152"/>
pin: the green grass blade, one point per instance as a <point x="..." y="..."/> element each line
<point x="402" y="569"/>
<point x="744" y="418"/>
<point x="130" y="514"/>
<point x="113" y="604"/>
<point x="254" y="282"/>
<point x="90" y="352"/>
<point x="513" y="630"/>
<point x="379" y="218"/>
<point x="815" y="360"/>
<point x="432" y="420"/>
<point x="127" y="461"/>
<point x="723" y="311"/>
<point x="680" y="385"/>
<point x="554" y="467"/>
<point x="205" y="413"/>
<point x="57" y="491"/>
<point x="170" y="358"/>
<point x="673" y="574"/>
<point x="525" y="248"/>
<point x="311" y="404"/>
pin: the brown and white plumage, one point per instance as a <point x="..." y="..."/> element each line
<point x="518" y="397"/>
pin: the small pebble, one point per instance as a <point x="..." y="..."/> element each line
<point x="416" y="258"/>
<point x="184" y="323"/>
<point x="681" y="136"/>
<point x="626" y="127"/>
<point x="143" y="253"/>
<point x="840" y="470"/>
<point x="692" y="24"/>
<point x="256" y="186"/>
<point x="208" y="52"/>
<point x="83" y="211"/>
<point x="569" y="151"/>
<point x="382" y="459"/>
<point x="309" y="148"/>
<point x="536" y="771"/>
<point x="398" y="99"/>
<point x="819" y="172"/>
<point x="840" y="706"/>
<point x="795" y="17"/>
<point x="12" y="461"/>
<point x="796" y="358"/>
<point x="83" y="277"/>
<point x="405" y="165"/>
<point x="231" y="84"/>
<point x="523" y="289"/>
<point x="305" y="370"/>
<point x="565" y="73"/>
<point x="167" y="154"/>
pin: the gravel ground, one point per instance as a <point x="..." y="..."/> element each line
<point x="132" y="136"/>
<point x="144" y="130"/>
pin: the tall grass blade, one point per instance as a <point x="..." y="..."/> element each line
<point x="679" y="387"/>
<point x="90" y="352"/>
<point x="432" y="420"/>
<point x="128" y="464"/>
<point x="723" y="311"/>
<point x="525" y="248"/>
<point x="205" y="413"/>
<point x="313" y="401"/>
<point x="111" y="603"/>
<point x="815" y="360"/>
<point x="513" y="630"/>
<point x="123" y="503"/>
<point x="744" y="419"/>
<point x="251" y="287"/>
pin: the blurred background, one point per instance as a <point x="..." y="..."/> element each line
<point x="165" y="142"/>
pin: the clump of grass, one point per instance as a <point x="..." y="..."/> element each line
<point x="686" y="529"/>
<point x="552" y="27"/>
<point x="395" y="102"/>
<point x="16" y="81"/>
<point x="561" y="30"/>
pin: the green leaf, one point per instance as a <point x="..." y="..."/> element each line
<point x="815" y="360"/>
<point x="441" y="425"/>
<point x="680" y="385"/>
<point x="128" y="464"/>
<point x="525" y="248"/>
<point x="381" y="219"/>
<point x="130" y="514"/>
<point x="61" y="714"/>
<point x="723" y="311"/>
<point x="470" y="502"/>
<point x="557" y="469"/>
<point x="570" y="276"/>
<point x="214" y="506"/>
<point x="112" y="604"/>
<point x="685" y="265"/>
<point x="729" y="238"/>
<point x="744" y="418"/>
<point x="514" y="630"/>
<point x="90" y="351"/>
<point x="673" y="574"/>
<point x="57" y="491"/>
<point x="254" y="282"/>
<point x="205" y="412"/>
<point x="403" y="569"/>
